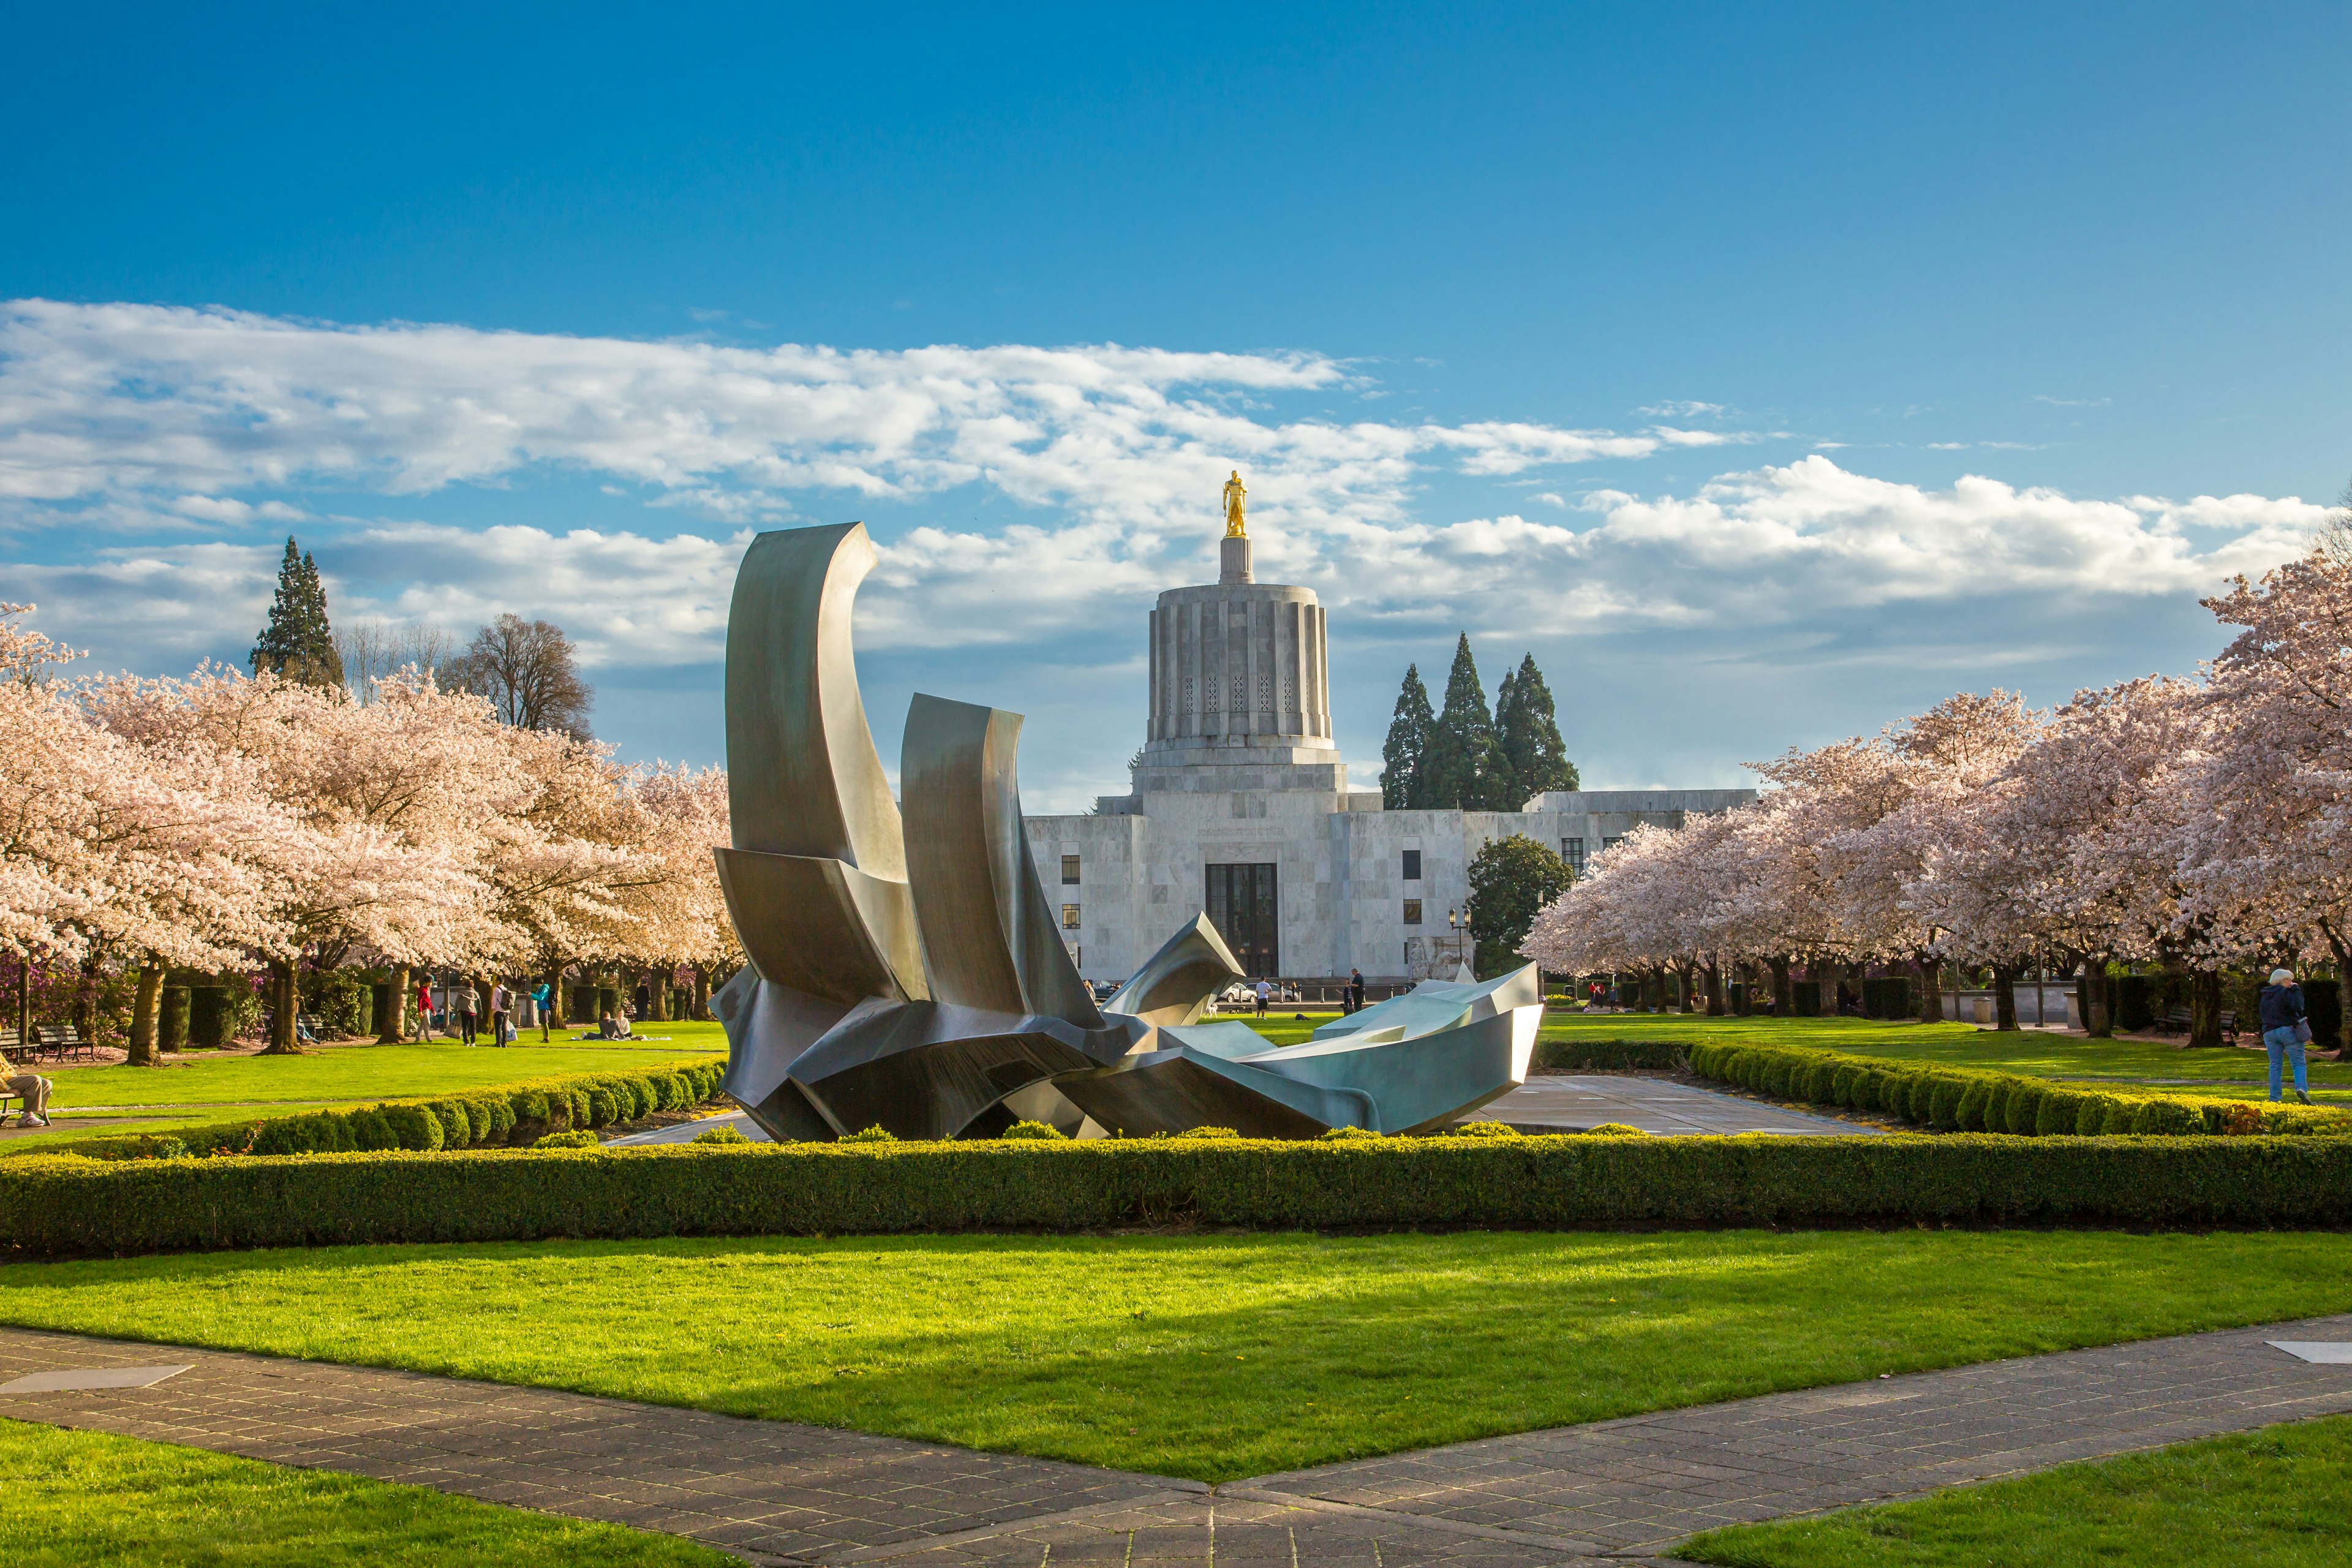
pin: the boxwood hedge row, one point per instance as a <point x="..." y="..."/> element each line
<point x="516" y="1113"/>
<point x="55" y="1206"/>
<point x="1569" y="1054"/>
<point x="1965" y="1099"/>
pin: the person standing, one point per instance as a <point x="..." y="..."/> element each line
<point x="1354" y="990"/>
<point x="1264" y="992"/>
<point x="469" y="1003"/>
<point x="501" y="1003"/>
<point x="542" y="996"/>
<point x="425" y="1008"/>
<point x="2287" y="1028"/>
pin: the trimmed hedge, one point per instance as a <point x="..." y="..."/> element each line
<point x="1568" y="1055"/>
<point x="58" y="1204"/>
<point x="1965" y="1099"/>
<point x="517" y="1114"/>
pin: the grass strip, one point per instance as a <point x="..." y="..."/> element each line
<point x="347" y="1073"/>
<point x="1213" y="1356"/>
<point x="2277" y="1498"/>
<point x="2028" y="1052"/>
<point x="77" y="1499"/>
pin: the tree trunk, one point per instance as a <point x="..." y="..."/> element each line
<point x="145" y="1008"/>
<point x="1931" y="988"/>
<point x="1654" y="991"/>
<point x="284" y="1002"/>
<point x="663" y="975"/>
<point x="702" y="992"/>
<point x="389" y="1030"/>
<point x="551" y="1017"/>
<point x="2099" y="1000"/>
<point x="85" y="1007"/>
<point x="2005" y="997"/>
<point x="1784" y="991"/>
<point x="2342" y="989"/>
<point x="2204" y="1007"/>
<point x="1714" y="973"/>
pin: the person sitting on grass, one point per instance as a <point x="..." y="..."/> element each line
<point x="33" y="1089"/>
<point x="613" y="1026"/>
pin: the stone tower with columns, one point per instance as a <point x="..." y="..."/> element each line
<point x="1240" y="681"/>
<point x="1240" y="809"/>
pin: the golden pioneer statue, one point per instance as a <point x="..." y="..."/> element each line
<point x="1235" y="494"/>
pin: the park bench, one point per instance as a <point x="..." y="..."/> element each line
<point x="13" y="1048"/>
<point x="61" y="1041"/>
<point x="2176" y="1021"/>
<point x="306" y="1025"/>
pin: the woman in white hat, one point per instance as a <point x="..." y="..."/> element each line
<point x="2285" y="1028"/>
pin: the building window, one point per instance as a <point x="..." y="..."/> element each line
<point x="1243" y="904"/>
<point x="1413" y="865"/>
<point x="1611" y="840"/>
<point x="1069" y="870"/>
<point x="1572" y="851"/>
<point x="1412" y="911"/>
<point x="1069" y="917"/>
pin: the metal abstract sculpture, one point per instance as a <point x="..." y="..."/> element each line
<point x="907" y="974"/>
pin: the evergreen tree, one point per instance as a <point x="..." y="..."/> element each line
<point x="1404" y="755"/>
<point x="1532" y="757"/>
<point x="298" y="643"/>
<point x="1461" y="761"/>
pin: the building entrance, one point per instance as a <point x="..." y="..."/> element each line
<point x="1243" y="906"/>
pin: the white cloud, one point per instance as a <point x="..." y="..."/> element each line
<point x="1679" y="410"/>
<point x="151" y="428"/>
<point x="114" y="403"/>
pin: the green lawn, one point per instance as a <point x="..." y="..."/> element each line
<point x="1212" y="1356"/>
<point x="345" y="1074"/>
<point x="2032" y="1053"/>
<point x="88" y="1498"/>
<point x="2278" y="1498"/>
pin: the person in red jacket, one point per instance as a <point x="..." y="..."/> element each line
<point x="424" y="1009"/>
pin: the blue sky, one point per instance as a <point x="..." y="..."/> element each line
<point x="1770" y="372"/>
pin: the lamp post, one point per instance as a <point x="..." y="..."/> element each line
<point x="1459" y="921"/>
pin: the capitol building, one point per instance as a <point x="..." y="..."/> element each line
<point x="1240" y="806"/>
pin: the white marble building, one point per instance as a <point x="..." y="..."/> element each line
<point x="1241" y="806"/>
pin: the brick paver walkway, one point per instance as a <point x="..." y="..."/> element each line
<point x="1648" y="1481"/>
<point x="773" y="1491"/>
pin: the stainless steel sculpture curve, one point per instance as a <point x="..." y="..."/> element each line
<point x="908" y="975"/>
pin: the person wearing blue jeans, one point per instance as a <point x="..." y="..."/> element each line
<point x="2285" y="1027"/>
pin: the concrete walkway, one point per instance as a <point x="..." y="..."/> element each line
<point x="1571" y="1103"/>
<point x="773" y="1491"/>
<point x="1548" y="1103"/>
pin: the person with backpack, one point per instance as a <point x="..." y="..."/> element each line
<point x="502" y="1004"/>
<point x="2286" y="1029"/>
<point x="467" y="1003"/>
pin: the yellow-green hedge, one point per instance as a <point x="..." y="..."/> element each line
<point x="1968" y="1100"/>
<point x="517" y="1114"/>
<point x="54" y="1205"/>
